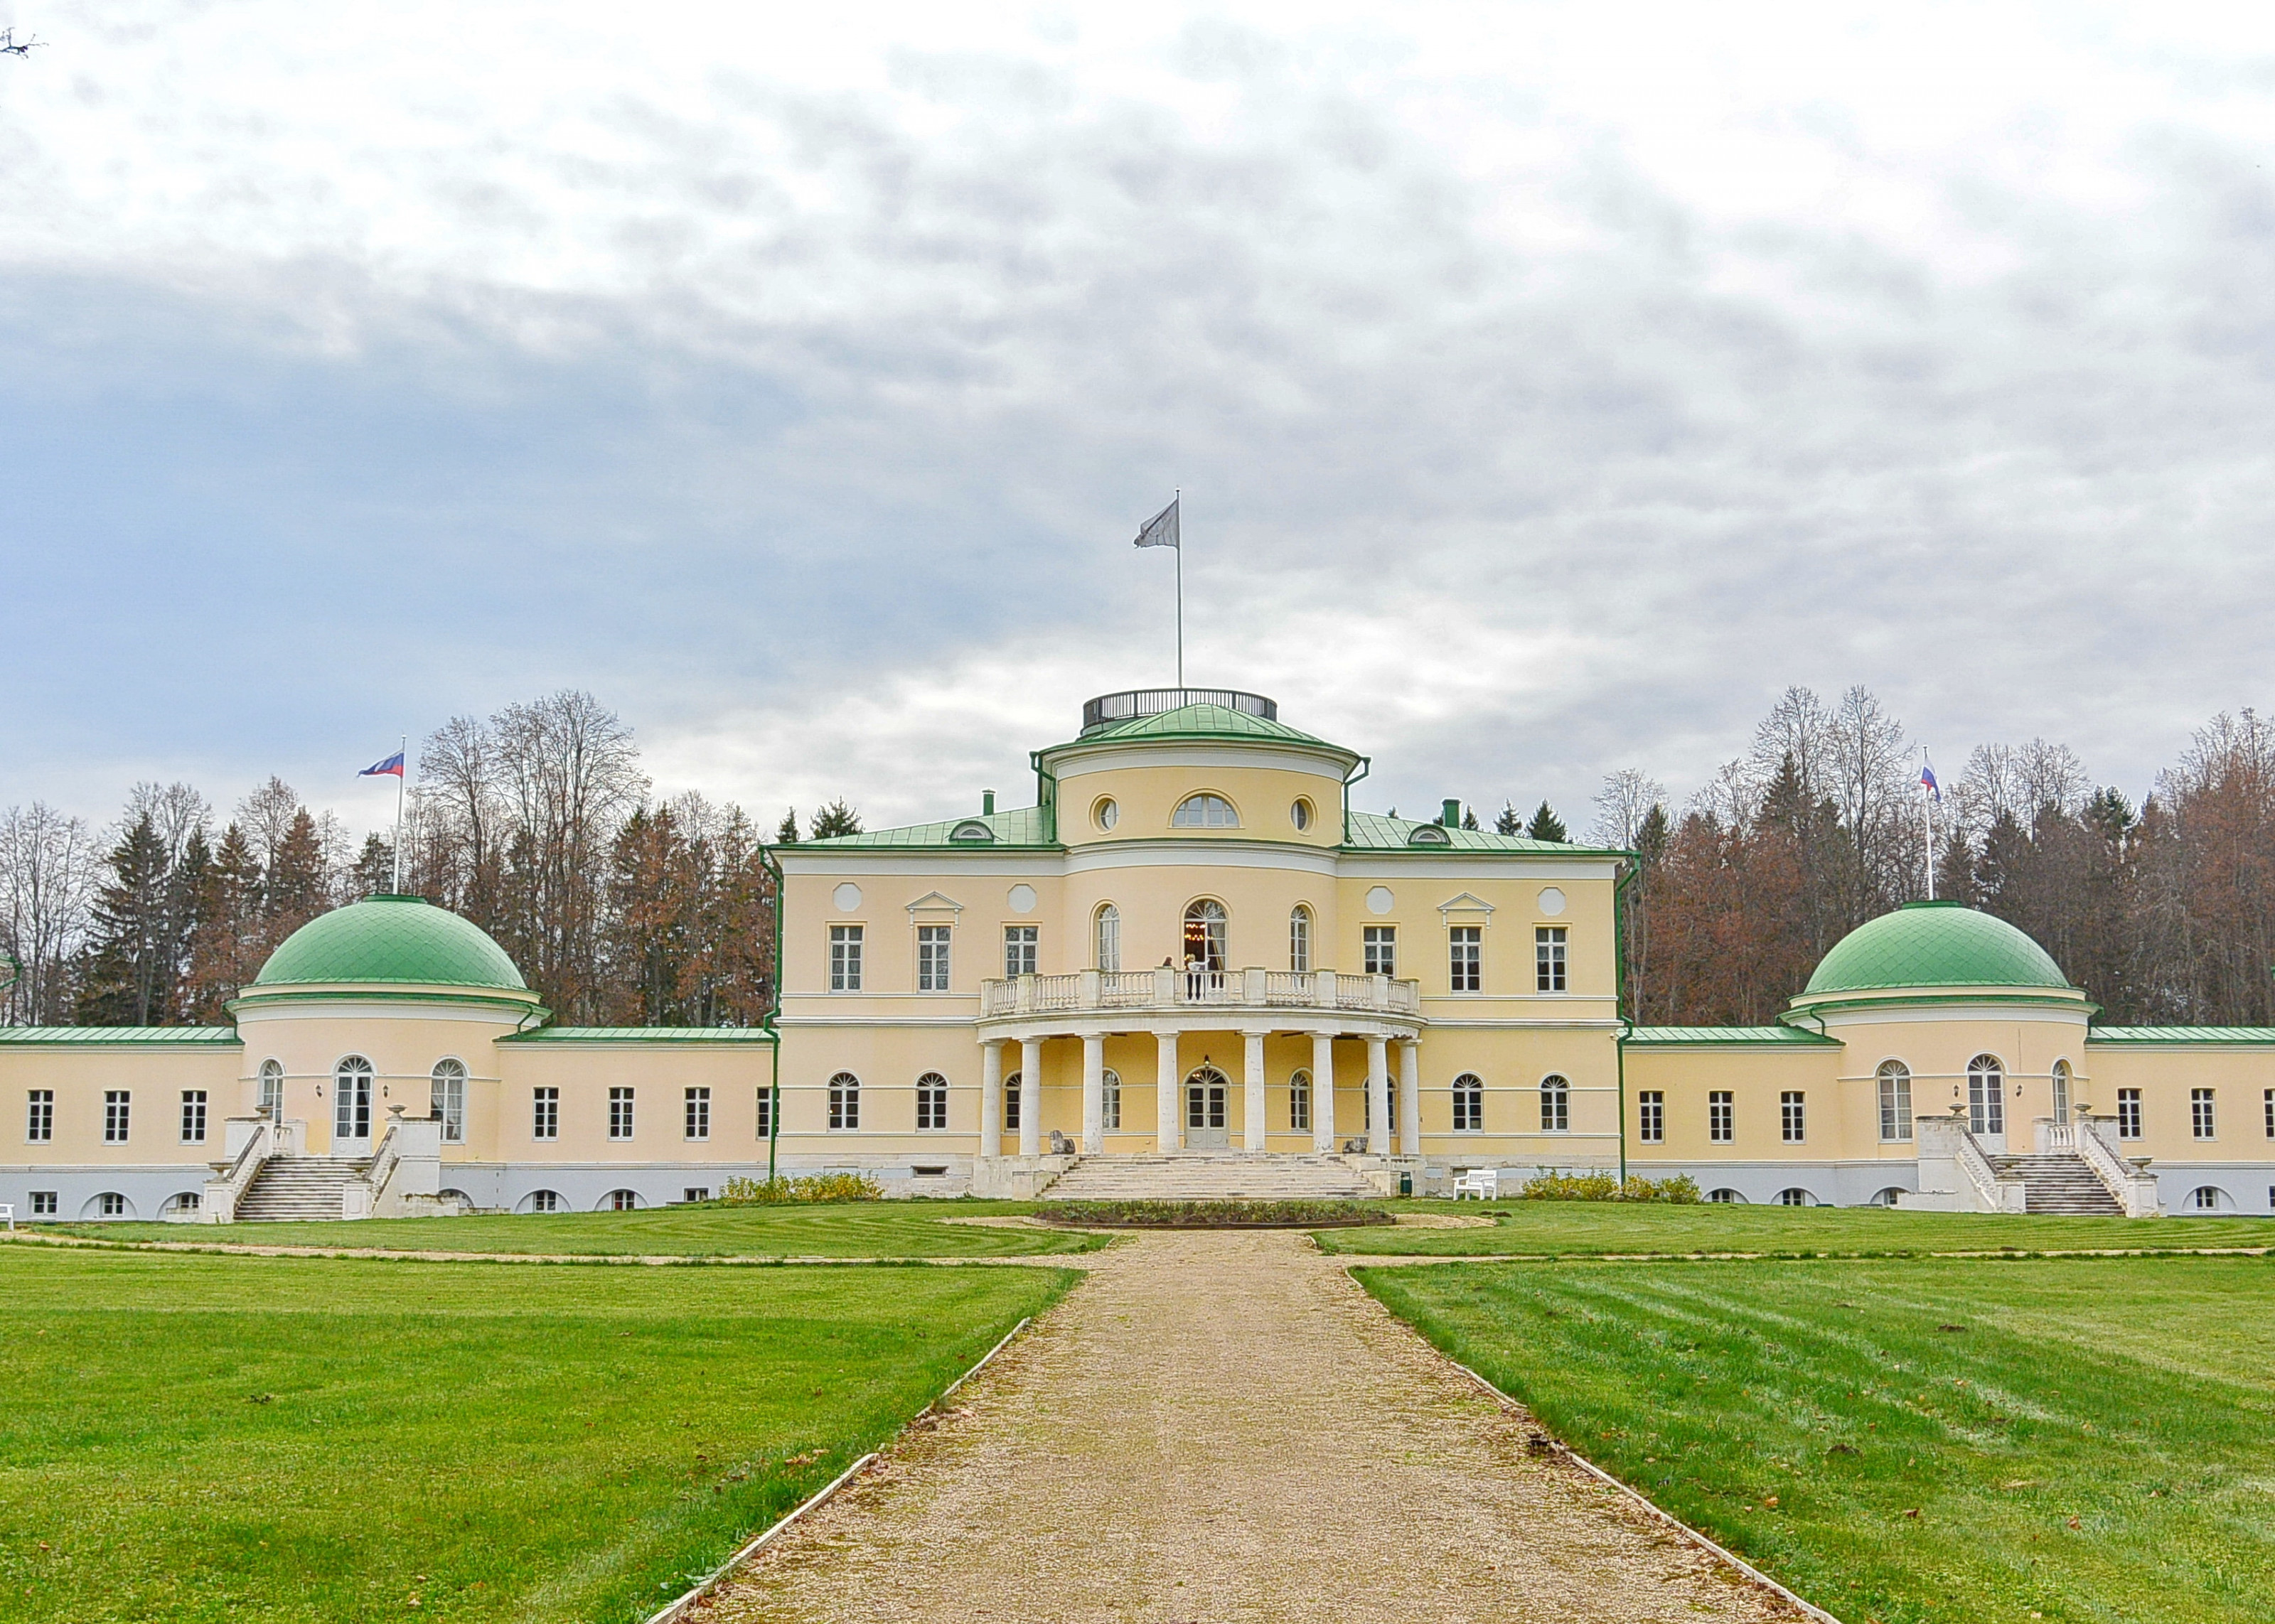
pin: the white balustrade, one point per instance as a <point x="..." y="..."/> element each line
<point x="1166" y="988"/>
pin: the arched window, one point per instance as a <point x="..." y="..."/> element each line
<point x="1105" y="936"/>
<point x="1987" y="1094"/>
<point x="1887" y="1197"/>
<point x="1299" y="939"/>
<point x="1204" y="812"/>
<point x="1469" y="1103"/>
<point x="1726" y="1197"/>
<point x="271" y="1101"/>
<point x="845" y="1100"/>
<point x="448" y="1099"/>
<point x="1895" y="1101"/>
<point x="1299" y="1102"/>
<point x="1556" y="1105"/>
<point x="2206" y="1198"/>
<point x="546" y="1201"/>
<point x="183" y="1204"/>
<point x="1110" y="1114"/>
<point x="1011" y="1092"/>
<point x="2061" y="1093"/>
<point x="1795" y="1197"/>
<point x="932" y="1101"/>
<point x="619" y="1201"/>
<point x="352" y="1099"/>
<point x="1207" y="934"/>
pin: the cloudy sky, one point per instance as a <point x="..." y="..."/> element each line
<point x="1549" y="385"/>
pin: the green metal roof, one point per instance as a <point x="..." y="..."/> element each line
<point x="1786" y="1037"/>
<point x="1021" y="825"/>
<point x="1376" y="832"/>
<point x="173" y="1036"/>
<point x="1200" y="722"/>
<point x="391" y="939"/>
<point x="1934" y="944"/>
<point x="643" y="1034"/>
<point x="2249" y="1037"/>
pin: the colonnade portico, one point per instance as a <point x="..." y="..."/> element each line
<point x="1171" y="1075"/>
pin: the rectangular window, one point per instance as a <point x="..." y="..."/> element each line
<point x="620" y="1113"/>
<point x="110" y="1204"/>
<point x="1468" y="947"/>
<point x="1895" y="1106"/>
<point x="117" y="1105"/>
<point x="1652" y="1124"/>
<point x="193" y="1116"/>
<point x="2200" y="1116"/>
<point x="544" y="1114"/>
<point x="1721" y="1117"/>
<point x="40" y="1116"/>
<point x="2128" y="1113"/>
<point x="1469" y="1104"/>
<point x="766" y="1113"/>
<point x="43" y="1203"/>
<point x="698" y="1112"/>
<point x="1379" y="949"/>
<point x="1792" y="1120"/>
<point x="2267" y="1102"/>
<point x="932" y="958"/>
<point x="844" y="958"/>
<point x="932" y="1101"/>
<point x="695" y="1192"/>
<point x="1019" y="945"/>
<point x="1548" y="958"/>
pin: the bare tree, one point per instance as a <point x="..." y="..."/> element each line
<point x="49" y="868"/>
<point x="1626" y="799"/>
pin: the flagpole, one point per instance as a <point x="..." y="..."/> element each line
<point x="1176" y="502"/>
<point x="1927" y="830"/>
<point x="406" y="766"/>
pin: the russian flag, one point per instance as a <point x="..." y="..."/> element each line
<point x="1927" y="779"/>
<point x="392" y="766"/>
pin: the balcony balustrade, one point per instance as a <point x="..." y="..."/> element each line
<point x="1167" y="988"/>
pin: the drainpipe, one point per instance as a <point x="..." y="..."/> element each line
<point x="1366" y="765"/>
<point x="767" y="1021"/>
<point x="1620" y="998"/>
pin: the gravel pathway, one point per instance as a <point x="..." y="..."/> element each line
<point x="1221" y="1427"/>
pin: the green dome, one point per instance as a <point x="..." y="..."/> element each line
<point x="1934" y="944"/>
<point x="391" y="939"/>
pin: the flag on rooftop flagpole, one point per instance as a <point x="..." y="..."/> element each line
<point x="392" y="767"/>
<point x="1161" y="529"/>
<point x="1928" y="783"/>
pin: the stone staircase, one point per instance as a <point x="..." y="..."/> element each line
<point x="2061" y="1183"/>
<point x="297" y="1187"/>
<point x="1210" y="1176"/>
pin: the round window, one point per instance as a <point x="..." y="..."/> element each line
<point x="1105" y="814"/>
<point x="1301" y="815"/>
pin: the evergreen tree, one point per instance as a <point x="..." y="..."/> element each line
<point x="297" y="884"/>
<point x="130" y="975"/>
<point x="833" y="820"/>
<point x="1547" y="825"/>
<point x="787" y="835"/>
<point x="1469" y="817"/>
<point x="1511" y="821"/>
<point x="373" y="872"/>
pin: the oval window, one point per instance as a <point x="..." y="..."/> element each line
<point x="1105" y="814"/>
<point x="1300" y="815"/>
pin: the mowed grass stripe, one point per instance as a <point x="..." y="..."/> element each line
<point x="2054" y="1469"/>
<point x="203" y="1437"/>
<point x="854" y="1229"/>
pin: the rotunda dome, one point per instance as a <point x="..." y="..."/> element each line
<point x="403" y="940"/>
<point x="1934" y="944"/>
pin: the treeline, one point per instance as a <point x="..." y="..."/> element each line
<point x="2164" y="912"/>
<point x="537" y="823"/>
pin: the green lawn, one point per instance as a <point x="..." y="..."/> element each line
<point x="1587" y="1229"/>
<point x="2090" y="1440"/>
<point x="193" y="1438"/>
<point x="849" y="1229"/>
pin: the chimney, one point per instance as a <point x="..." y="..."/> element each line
<point x="987" y="803"/>
<point x="1452" y="816"/>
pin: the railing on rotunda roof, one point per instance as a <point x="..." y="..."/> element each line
<point x="1132" y="703"/>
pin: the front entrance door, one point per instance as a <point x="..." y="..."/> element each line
<point x="351" y="1107"/>
<point x="1204" y="1121"/>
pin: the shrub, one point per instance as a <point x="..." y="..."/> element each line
<point x="1681" y="1190"/>
<point x="782" y="1192"/>
<point x="1214" y="1214"/>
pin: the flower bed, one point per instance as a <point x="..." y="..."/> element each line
<point x="1212" y="1214"/>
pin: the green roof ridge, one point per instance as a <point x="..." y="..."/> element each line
<point x="1381" y="832"/>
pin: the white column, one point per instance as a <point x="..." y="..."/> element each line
<point x="1252" y="1089"/>
<point x="1409" y="1096"/>
<point x="1093" y="1092"/>
<point x="991" y="1098"/>
<point x="1323" y="1093"/>
<point x="1169" y="1132"/>
<point x="1030" y="1096"/>
<point x="1378" y="1096"/>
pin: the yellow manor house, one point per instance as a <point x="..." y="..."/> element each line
<point x="1192" y="966"/>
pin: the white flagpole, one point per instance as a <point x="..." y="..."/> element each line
<point x="1927" y="830"/>
<point x="1177" y="502"/>
<point x="399" y="777"/>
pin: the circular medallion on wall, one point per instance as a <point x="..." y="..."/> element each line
<point x="1021" y="898"/>
<point x="847" y="896"/>
<point x="1379" y="900"/>
<point x="1105" y="814"/>
<point x="1551" y="901"/>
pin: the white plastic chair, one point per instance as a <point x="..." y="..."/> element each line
<point x="8" y="1213"/>
<point x="1483" y="1183"/>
